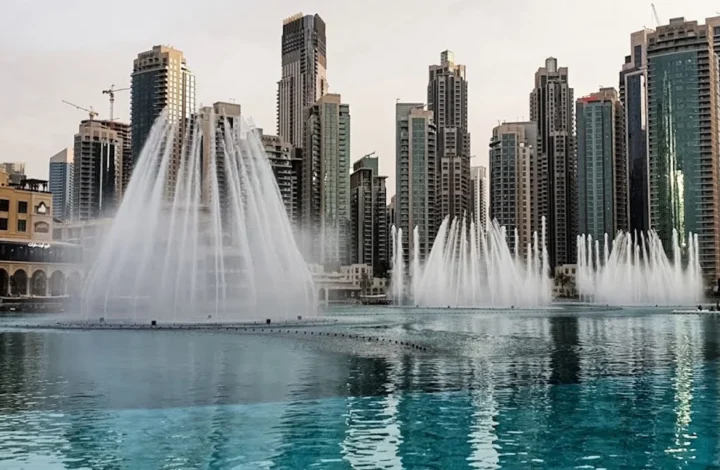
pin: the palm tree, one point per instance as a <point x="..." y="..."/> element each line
<point x="563" y="279"/>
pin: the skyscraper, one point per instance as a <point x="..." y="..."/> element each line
<point x="215" y="121"/>
<point x="61" y="183"/>
<point x="554" y="173"/>
<point x="97" y="175"/>
<point x="602" y="167"/>
<point x="326" y="181"/>
<point x="161" y="81"/>
<point x="286" y="162"/>
<point x="633" y="95"/>
<point x="390" y="223"/>
<point x="447" y="99"/>
<point x="512" y="151"/>
<point x="415" y="176"/>
<point x="304" y="68"/>
<point x="684" y="125"/>
<point x="478" y="191"/>
<point x="124" y="132"/>
<point x="368" y="206"/>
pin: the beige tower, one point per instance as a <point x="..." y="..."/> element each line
<point x="512" y="149"/>
<point x="447" y="99"/>
<point x="555" y="170"/>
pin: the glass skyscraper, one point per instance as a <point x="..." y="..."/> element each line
<point x="633" y="95"/>
<point x="602" y="177"/>
<point x="415" y="177"/>
<point x="61" y="183"/>
<point x="326" y="182"/>
<point x="684" y="124"/>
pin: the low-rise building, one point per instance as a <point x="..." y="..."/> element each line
<point x="88" y="234"/>
<point x="31" y="263"/>
<point x="347" y="285"/>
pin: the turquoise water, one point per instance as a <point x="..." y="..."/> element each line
<point x="496" y="389"/>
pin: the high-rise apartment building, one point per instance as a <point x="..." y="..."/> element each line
<point x="554" y="173"/>
<point x="61" y="183"/>
<point x="684" y="130"/>
<point x="447" y="99"/>
<point x="602" y="167"/>
<point x="97" y="175"/>
<point x="304" y="68"/>
<point x="124" y="132"/>
<point x="512" y="151"/>
<point x="326" y="181"/>
<point x="161" y="80"/>
<point x="286" y="163"/>
<point x="214" y="122"/>
<point x="390" y="223"/>
<point x="478" y="192"/>
<point x="415" y="177"/>
<point x="368" y="206"/>
<point x="633" y="95"/>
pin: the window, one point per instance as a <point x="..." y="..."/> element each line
<point x="42" y="227"/>
<point x="3" y="224"/>
<point x="22" y="207"/>
<point x="22" y="226"/>
<point x="5" y="207"/>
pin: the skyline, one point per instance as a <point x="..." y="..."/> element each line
<point x="370" y="67"/>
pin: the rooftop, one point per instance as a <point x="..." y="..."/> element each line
<point x="32" y="185"/>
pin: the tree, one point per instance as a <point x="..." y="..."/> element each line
<point x="365" y="284"/>
<point x="567" y="284"/>
<point x="563" y="279"/>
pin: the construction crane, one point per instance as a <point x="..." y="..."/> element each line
<point x="90" y="111"/>
<point x="111" y="91"/>
<point x="655" y="15"/>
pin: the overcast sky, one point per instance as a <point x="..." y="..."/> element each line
<point x="378" y="50"/>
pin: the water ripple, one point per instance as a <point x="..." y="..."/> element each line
<point x="542" y="390"/>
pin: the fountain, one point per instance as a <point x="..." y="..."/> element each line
<point x="397" y="282"/>
<point x="634" y="270"/>
<point x="469" y="267"/>
<point x="200" y="235"/>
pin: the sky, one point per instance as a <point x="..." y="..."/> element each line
<point x="378" y="51"/>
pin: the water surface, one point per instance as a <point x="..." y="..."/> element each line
<point x="496" y="389"/>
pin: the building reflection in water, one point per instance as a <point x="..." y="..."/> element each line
<point x="505" y="392"/>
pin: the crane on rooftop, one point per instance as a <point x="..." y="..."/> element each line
<point x="656" y="17"/>
<point x="111" y="91"/>
<point x="91" y="112"/>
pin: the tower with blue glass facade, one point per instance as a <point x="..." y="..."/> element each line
<point x="684" y="136"/>
<point x="602" y="167"/>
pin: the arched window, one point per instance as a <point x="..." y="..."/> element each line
<point x="42" y="227"/>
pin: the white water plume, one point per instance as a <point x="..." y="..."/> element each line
<point x="397" y="282"/>
<point x="470" y="267"/>
<point x="200" y="236"/>
<point x="635" y="270"/>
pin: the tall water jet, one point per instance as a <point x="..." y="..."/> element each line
<point x="470" y="267"/>
<point x="397" y="282"/>
<point x="200" y="234"/>
<point x="635" y="270"/>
